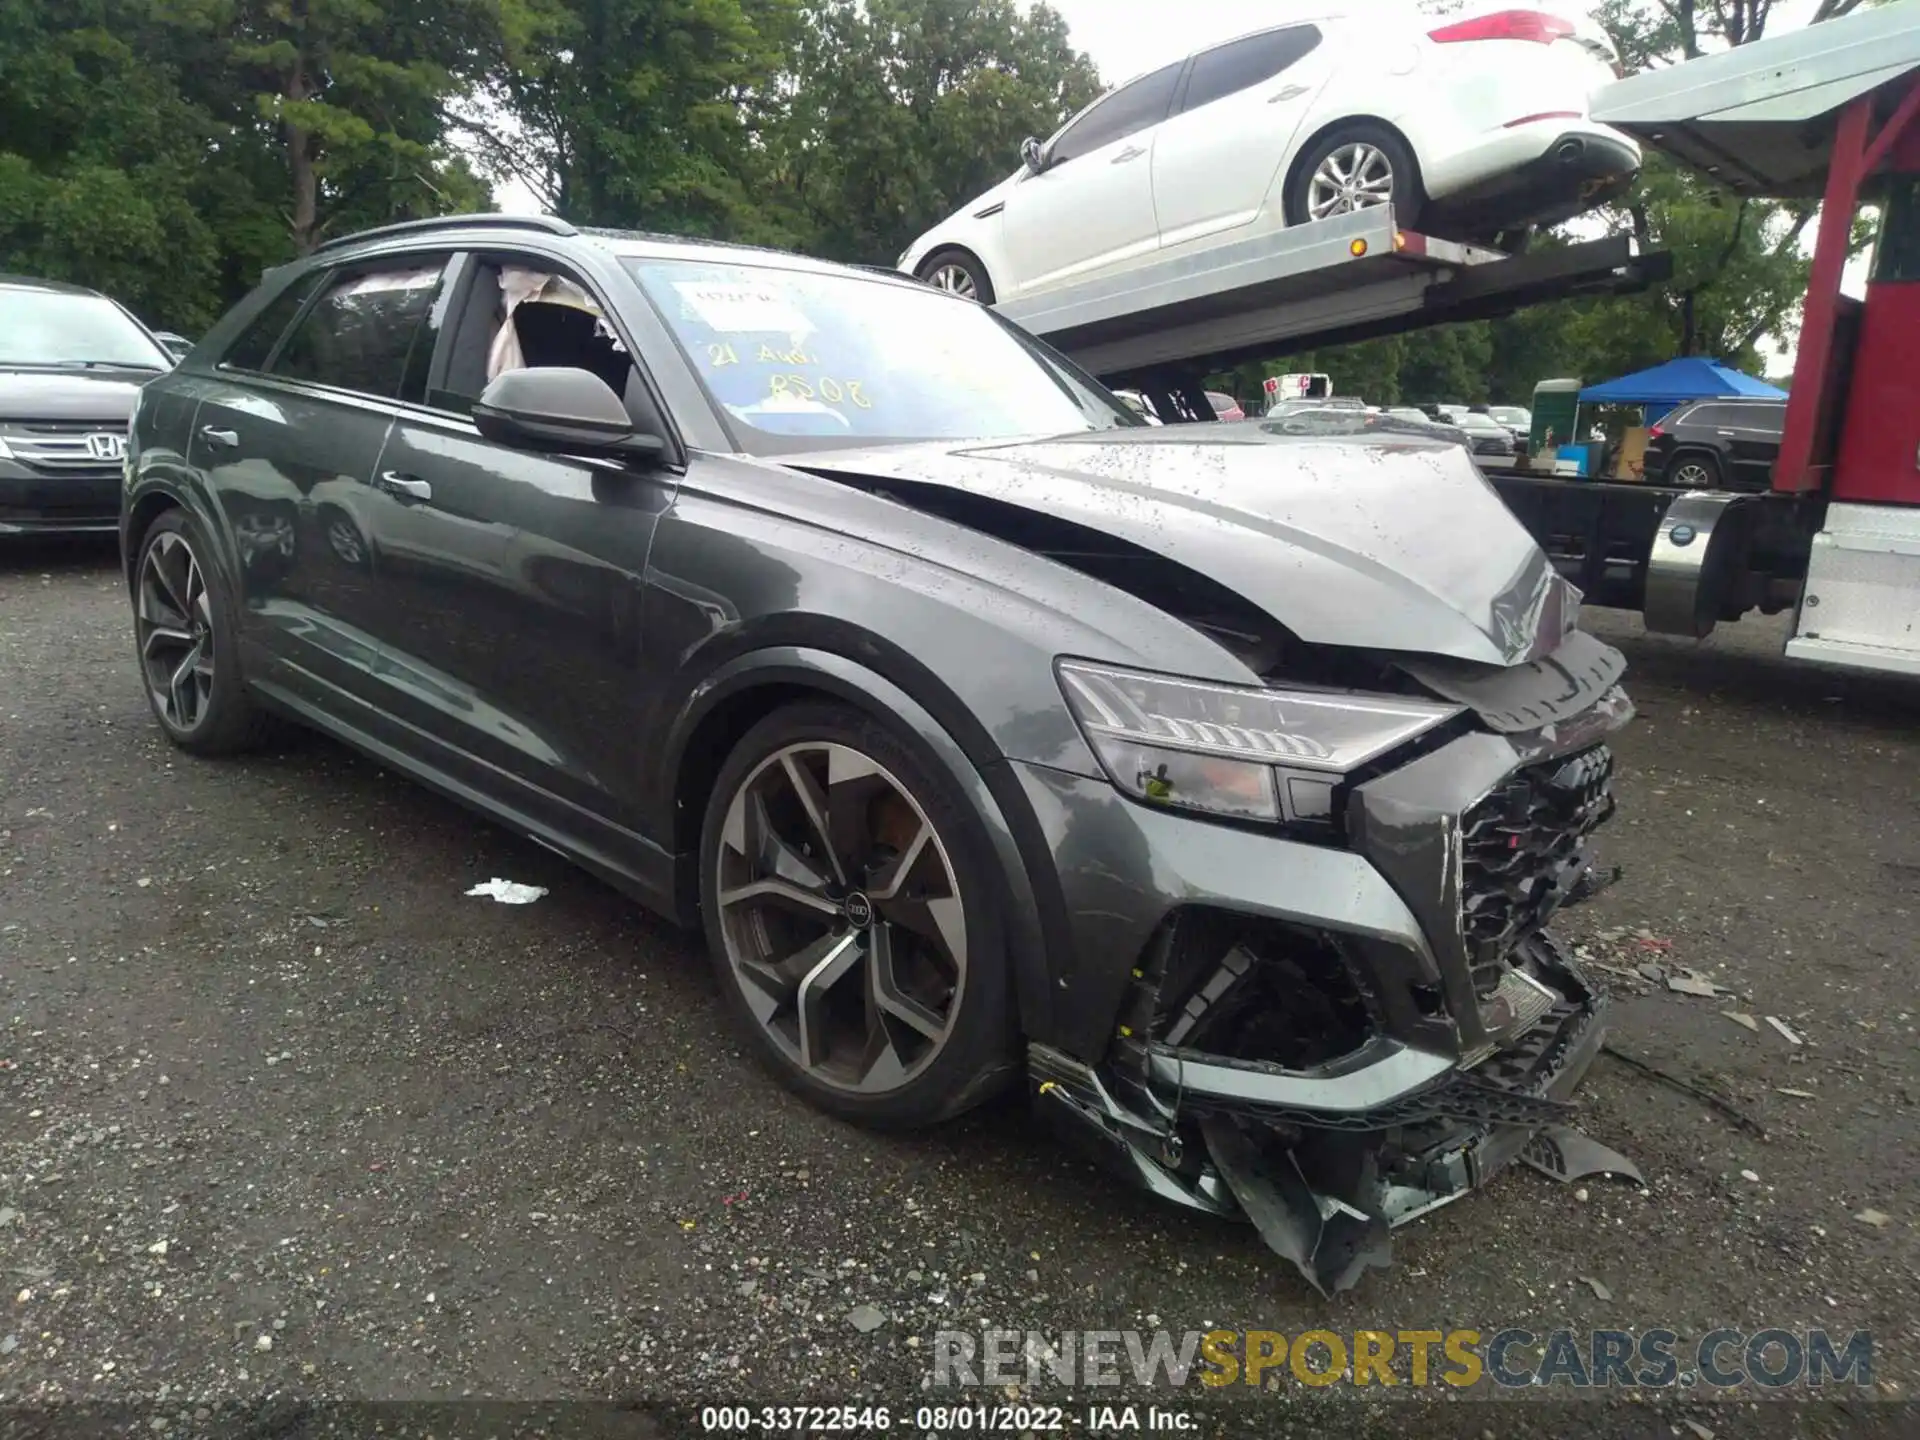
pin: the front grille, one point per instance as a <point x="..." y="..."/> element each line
<point x="1491" y="445"/>
<point x="68" y="447"/>
<point x="1522" y="849"/>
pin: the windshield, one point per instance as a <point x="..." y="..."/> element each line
<point x="1510" y="415"/>
<point x="60" y="330"/>
<point x="805" y="360"/>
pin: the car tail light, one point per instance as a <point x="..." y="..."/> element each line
<point x="1656" y="430"/>
<point x="1534" y="25"/>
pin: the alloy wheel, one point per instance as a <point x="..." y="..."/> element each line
<point x="345" y="541"/>
<point x="174" y="624"/>
<point x="955" y="279"/>
<point x="1692" y="475"/>
<point x="841" y="917"/>
<point x="1356" y="176"/>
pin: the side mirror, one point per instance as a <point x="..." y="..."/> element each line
<point x="177" y="345"/>
<point x="560" y="411"/>
<point x="1033" y="154"/>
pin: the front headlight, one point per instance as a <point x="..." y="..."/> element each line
<point x="1253" y="754"/>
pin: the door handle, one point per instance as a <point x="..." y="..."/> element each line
<point x="220" y="439"/>
<point x="409" y="486"/>
<point x="1130" y="153"/>
<point x="1292" y="92"/>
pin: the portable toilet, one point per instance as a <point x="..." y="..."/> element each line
<point x="1556" y="407"/>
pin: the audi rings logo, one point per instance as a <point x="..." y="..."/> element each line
<point x="103" y="445"/>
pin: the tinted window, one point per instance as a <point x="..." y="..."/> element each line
<point x="1756" y="417"/>
<point x="1220" y="72"/>
<point x="1701" y="415"/>
<point x="1125" y="112"/>
<point x="255" y="346"/>
<point x="362" y="332"/>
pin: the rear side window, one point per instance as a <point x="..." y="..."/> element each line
<point x="1227" y="69"/>
<point x="367" y="332"/>
<point x="1757" y="417"/>
<point x="255" y="346"/>
<point x="1127" y="111"/>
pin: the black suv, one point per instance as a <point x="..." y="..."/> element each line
<point x="1717" y="445"/>
<point x="71" y="364"/>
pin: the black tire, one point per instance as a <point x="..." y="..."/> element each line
<point x="958" y="262"/>
<point x="223" y="720"/>
<point x="1408" y="194"/>
<point x="978" y="1053"/>
<point x="1684" y="462"/>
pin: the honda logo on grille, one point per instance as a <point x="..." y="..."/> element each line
<point x="105" y="446"/>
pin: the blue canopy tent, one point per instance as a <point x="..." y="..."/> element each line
<point x="1676" y="382"/>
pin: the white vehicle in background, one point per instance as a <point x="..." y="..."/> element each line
<point x="1475" y="126"/>
<point x="1317" y="386"/>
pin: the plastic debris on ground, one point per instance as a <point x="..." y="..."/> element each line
<point x="509" y="892"/>
<point x="1785" y="1033"/>
<point x="1746" y="1021"/>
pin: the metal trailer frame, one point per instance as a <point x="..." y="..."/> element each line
<point x="1162" y="326"/>
<point x="1815" y="112"/>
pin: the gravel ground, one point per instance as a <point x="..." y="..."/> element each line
<point x="284" y="1116"/>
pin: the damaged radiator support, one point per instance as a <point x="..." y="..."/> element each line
<point x="1246" y="1081"/>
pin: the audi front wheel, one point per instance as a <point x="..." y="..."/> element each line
<point x="850" y="914"/>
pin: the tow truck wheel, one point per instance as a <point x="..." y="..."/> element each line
<point x="1355" y="167"/>
<point x="958" y="273"/>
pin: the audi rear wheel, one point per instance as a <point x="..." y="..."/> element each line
<point x="184" y="633"/>
<point x="850" y="914"/>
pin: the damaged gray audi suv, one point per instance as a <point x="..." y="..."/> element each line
<point x="1219" y="782"/>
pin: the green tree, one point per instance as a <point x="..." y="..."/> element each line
<point x="102" y="162"/>
<point x="900" y="110"/>
<point x="637" y="112"/>
<point x="350" y="94"/>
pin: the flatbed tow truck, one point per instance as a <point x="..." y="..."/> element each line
<point x="1829" y="112"/>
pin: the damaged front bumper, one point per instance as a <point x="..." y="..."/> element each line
<point x="1332" y="1072"/>
<point x="1326" y="1164"/>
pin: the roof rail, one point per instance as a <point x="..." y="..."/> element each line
<point x="552" y="224"/>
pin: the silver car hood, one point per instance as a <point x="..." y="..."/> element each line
<point x="1394" y="543"/>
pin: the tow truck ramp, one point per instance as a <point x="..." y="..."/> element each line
<point x="1163" y="324"/>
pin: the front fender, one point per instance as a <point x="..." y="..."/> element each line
<point x="1035" y="909"/>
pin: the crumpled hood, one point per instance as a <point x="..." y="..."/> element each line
<point x="1392" y="543"/>
<point x="106" y="397"/>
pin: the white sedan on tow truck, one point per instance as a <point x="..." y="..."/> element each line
<point x="1474" y="126"/>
